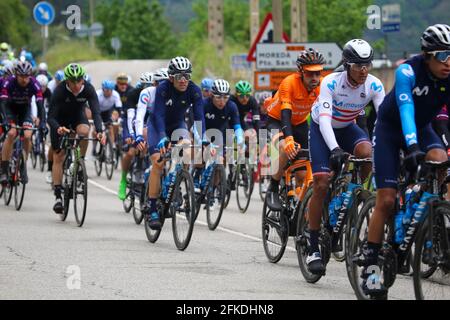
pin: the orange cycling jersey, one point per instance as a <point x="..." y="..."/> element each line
<point x="292" y="95"/>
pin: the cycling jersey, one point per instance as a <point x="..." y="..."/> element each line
<point x="18" y="99"/>
<point x="124" y="94"/>
<point x="108" y="103"/>
<point x="169" y="111"/>
<point x="68" y="109"/>
<point x="129" y="109"/>
<point x="251" y="106"/>
<point x="415" y="100"/>
<point x="144" y="106"/>
<point x="405" y="117"/>
<point x="292" y="95"/>
<point x="339" y="103"/>
<point x="220" y="119"/>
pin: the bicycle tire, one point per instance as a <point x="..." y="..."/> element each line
<point x="229" y="182"/>
<point x="98" y="163"/>
<point x="153" y="235"/>
<point x="247" y="192"/>
<point x="67" y="188"/>
<point x="263" y="184"/>
<point x="109" y="159"/>
<point x="42" y="156"/>
<point x="440" y="271"/>
<point x="188" y="200"/>
<point x="80" y="187"/>
<point x="212" y="221"/>
<point x="138" y="214"/>
<point x="281" y="228"/>
<point x="19" y="186"/>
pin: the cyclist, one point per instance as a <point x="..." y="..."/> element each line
<point x="59" y="76"/>
<point x="172" y="99"/>
<point x="43" y="69"/>
<point x="220" y="113"/>
<point x="5" y="52"/>
<point x="206" y="86"/>
<point x="15" y="107"/>
<point x="109" y="102"/>
<point x="67" y="112"/>
<point x="421" y="88"/>
<point x="343" y="96"/>
<point x="128" y="125"/>
<point x="288" y="112"/>
<point x="122" y="87"/>
<point x="247" y="103"/>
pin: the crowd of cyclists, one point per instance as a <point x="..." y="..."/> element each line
<point x="324" y="116"/>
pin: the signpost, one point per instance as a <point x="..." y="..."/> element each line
<point x="116" y="45"/>
<point x="44" y="14"/>
<point x="390" y="19"/>
<point x="283" y="56"/>
<point x="95" y="30"/>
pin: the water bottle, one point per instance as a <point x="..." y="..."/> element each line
<point x="168" y="180"/>
<point x="334" y="204"/>
<point x="410" y="207"/>
<point x="205" y="175"/>
<point x="399" y="231"/>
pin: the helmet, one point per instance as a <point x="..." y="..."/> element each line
<point x="43" y="66"/>
<point x="220" y="86"/>
<point x="122" y="78"/>
<point x="59" y="75"/>
<point x="87" y="78"/>
<point x="243" y="87"/>
<point x="23" y="68"/>
<point x="28" y="56"/>
<point x="160" y="75"/>
<point x="357" y="51"/>
<point x="179" y="64"/>
<point x="310" y="60"/>
<point x="4" y="46"/>
<point x="42" y="79"/>
<point x="9" y="68"/>
<point x="74" y="71"/>
<point x="436" y="38"/>
<point x="146" y="78"/>
<point x="207" y="83"/>
<point x="108" y="85"/>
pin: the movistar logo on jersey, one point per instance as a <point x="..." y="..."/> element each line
<point x="418" y="92"/>
<point x="349" y="105"/>
<point x="210" y="116"/>
<point x="332" y="85"/>
<point x="376" y="88"/>
<point x="169" y="103"/>
<point x="411" y="138"/>
<point x="407" y="70"/>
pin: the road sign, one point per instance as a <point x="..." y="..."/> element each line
<point x="265" y="35"/>
<point x="44" y="13"/>
<point x="115" y="43"/>
<point x="96" y="29"/>
<point x="390" y="18"/>
<point x="271" y="80"/>
<point x="239" y="62"/>
<point x="283" y="56"/>
<point x="83" y="31"/>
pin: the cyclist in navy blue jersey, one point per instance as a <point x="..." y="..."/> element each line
<point x="404" y="120"/>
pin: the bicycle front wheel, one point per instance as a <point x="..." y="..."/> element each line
<point x="275" y="233"/>
<point x="80" y="190"/>
<point x="109" y="159"/>
<point x="215" y="198"/>
<point x="182" y="209"/>
<point x="431" y="262"/>
<point x="244" y="186"/>
<point x="19" y="185"/>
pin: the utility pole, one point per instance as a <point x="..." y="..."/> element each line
<point x="91" y="20"/>
<point x="254" y="20"/>
<point x="299" y="24"/>
<point x="215" y="25"/>
<point x="277" y="12"/>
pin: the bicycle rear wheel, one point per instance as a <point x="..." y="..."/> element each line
<point x="19" y="186"/>
<point x="99" y="157"/>
<point x="67" y="188"/>
<point x="153" y="235"/>
<point x="182" y="209"/>
<point x="80" y="190"/>
<point x="431" y="262"/>
<point x="215" y="198"/>
<point x="229" y="173"/>
<point x="109" y="159"/>
<point x="264" y="182"/>
<point x="244" y="186"/>
<point x="138" y="213"/>
<point x="42" y="156"/>
<point x="8" y="189"/>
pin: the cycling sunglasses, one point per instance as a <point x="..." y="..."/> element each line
<point x="360" y="66"/>
<point x="441" y="56"/>
<point x="240" y="95"/>
<point x="181" y="76"/>
<point x="221" y="96"/>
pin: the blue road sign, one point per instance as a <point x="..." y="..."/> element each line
<point x="44" y="13"/>
<point x="391" y="27"/>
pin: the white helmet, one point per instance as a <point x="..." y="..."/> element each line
<point x="357" y="51"/>
<point x="146" y="78"/>
<point x="43" y="66"/>
<point x="220" y="86"/>
<point x="179" y="64"/>
<point x="436" y="38"/>
<point x="42" y="80"/>
<point x="160" y="75"/>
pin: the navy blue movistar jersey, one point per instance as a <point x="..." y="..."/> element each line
<point x="415" y="100"/>
<point x="221" y="119"/>
<point x="171" y="105"/>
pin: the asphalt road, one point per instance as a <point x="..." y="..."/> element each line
<point x="110" y="257"/>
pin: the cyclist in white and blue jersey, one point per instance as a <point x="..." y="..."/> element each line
<point x="422" y="87"/>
